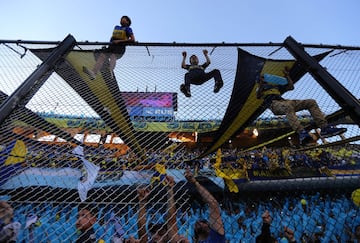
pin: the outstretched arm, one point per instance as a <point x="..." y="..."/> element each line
<point x="143" y="194"/>
<point x="183" y="64"/>
<point x="290" y="85"/>
<point x="215" y="220"/>
<point x="207" y="63"/>
<point x="260" y="89"/>
<point x="265" y="235"/>
<point x="171" y="214"/>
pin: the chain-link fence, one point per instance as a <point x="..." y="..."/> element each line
<point x="123" y="154"/>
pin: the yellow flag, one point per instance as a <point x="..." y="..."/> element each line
<point x="218" y="158"/>
<point x="170" y="148"/>
<point x="228" y="180"/>
<point x="17" y="154"/>
<point x="160" y="168"/>
<point x="159" y="175"/>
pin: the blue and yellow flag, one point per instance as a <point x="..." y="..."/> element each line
<point x="227" y="178"/>
<point x="102" y="94"/>
<point x="244" y="106"/>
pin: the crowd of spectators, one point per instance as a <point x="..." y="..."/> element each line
<point x="263" y="158"/>
<point x="309" y="217"/>
<point x="312" y="217"/>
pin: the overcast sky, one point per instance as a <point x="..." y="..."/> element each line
<point x="189" y="21"/>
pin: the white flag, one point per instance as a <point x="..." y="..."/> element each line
<point x="78" y="151"/>
<point x="88" y="180"/>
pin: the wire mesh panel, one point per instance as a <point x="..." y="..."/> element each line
<point x="122" y="153"/>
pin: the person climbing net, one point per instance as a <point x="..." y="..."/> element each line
<point x="196" y="74"/>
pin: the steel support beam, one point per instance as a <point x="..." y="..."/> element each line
<point x="336" y="90"/>
<point x="44" y="70"/>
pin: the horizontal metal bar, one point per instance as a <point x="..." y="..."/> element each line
<point x="175" y="44"/>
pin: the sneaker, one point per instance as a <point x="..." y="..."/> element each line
<point x="185" y="90"/>
<point x="218" y="86"/>
<point x="305" y="137"/>
<point x="330" y="131"/>
<point x="90" y="73"/>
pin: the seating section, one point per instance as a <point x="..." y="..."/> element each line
<point x="328" y="216"/>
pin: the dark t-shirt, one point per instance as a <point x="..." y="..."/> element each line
<point x="87" y="236"/>
<point x="265" y="236"/>
<point x="196" y="67"/>
<point x="214" y="237"/>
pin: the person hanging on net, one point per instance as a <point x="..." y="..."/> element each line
<point x="121" y="35"/>
<point x="196" y="74"/>
<point x="270" y="89"/>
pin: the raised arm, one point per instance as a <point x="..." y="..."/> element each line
<point x="260" y="89"/>
<point x="143" y="194"/>
<point x="183" y="64"/>
<point x="265" y="235"/>
<point x="207" y="63"/>
<point x="290" y="85"/>
<point x="171" y="214"/>
<point x="215" y="220"/>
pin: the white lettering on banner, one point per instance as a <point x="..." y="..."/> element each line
<point x="157" y="111"/>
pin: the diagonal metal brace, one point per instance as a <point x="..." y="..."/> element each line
<point x="42" y="71"/>
<point x="345" y="99"/>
